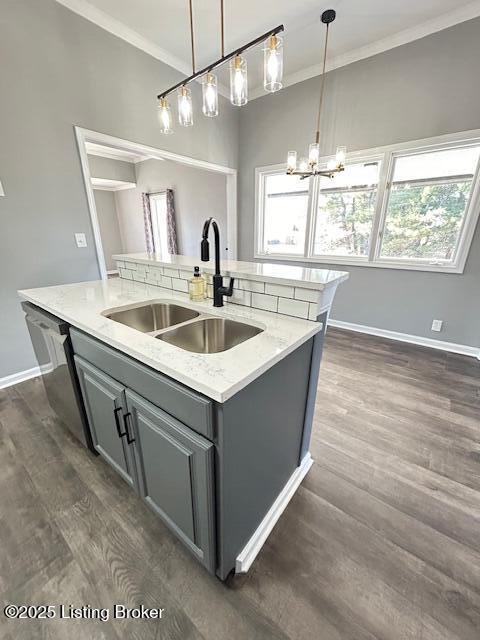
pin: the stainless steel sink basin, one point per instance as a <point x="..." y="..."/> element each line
<point x="153" y="316"/>
<point x="210" y="335"/>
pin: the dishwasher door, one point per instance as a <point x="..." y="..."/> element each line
<point x="51" y="343"/>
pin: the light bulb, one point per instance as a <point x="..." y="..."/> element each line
<point x="164" y="116"/>
<point x="185" y="108"/>
<point x="238" y="81"/>
<point x="313" y="153"/>
<point x="331" y="164"/>
<point x="273" y="64"/>
<point x="303" y="165"/>
<point x="210" y="95"/>
<point x="341" y="155"/>
<point x="291" y="161"/>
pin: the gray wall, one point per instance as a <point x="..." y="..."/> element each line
<point x="198" y="194"/>
<point x="59" y="70"/>
<point x="111" y="169"/>
<point x="422" y="89"/>
<point x="109" y="226"/>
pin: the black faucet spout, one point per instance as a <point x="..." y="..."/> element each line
<point x="218" y="289"/>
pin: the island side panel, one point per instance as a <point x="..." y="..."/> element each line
<point x="317" y="352"/>
<point x="260" y="432"/>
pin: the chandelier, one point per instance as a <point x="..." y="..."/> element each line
<point x="272" y="77"/>
<point x="308" y="167"/>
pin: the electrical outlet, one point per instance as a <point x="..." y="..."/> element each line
<point x="437" y="325"/>
<point x="81" y="240"/>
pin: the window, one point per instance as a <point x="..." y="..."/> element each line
<point x="406" y="206"/>
<point x="427" y="202"/>
<point x="158" y="207"/>
<point x="345" y="211"/>
<point x="284" y="214"/>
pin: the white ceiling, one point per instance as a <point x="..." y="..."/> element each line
<point x="364" y="28"/>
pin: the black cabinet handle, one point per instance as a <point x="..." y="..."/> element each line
<point x="117" y="422"/>
<point x="125" y="422"/>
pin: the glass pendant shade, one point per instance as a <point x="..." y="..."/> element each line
<point x="238" y="81"/>
<point x="185" y="108"/>
<point x="273" y="64"/>
<point x="292" y="160"/>
<point x="303" y="165"/>
<point x="210" y="95"/>
<point x="341" y="155"/>
<point x="313" y="153"/>
<point x="165" y="116"/>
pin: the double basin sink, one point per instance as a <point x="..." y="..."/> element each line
<point x="193" y="331"/>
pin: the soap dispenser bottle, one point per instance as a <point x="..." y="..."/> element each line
<point x="197" y="286"/>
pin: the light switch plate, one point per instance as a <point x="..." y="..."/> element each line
<point x="2" y="192"/>
<point x="81" y="240"/>
<point x="437" y="325"/>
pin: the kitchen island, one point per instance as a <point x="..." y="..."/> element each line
<point x="215" y="443"/>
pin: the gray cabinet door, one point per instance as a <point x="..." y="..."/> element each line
<point x="105" y="406"/>
<point x="175" y="475"/>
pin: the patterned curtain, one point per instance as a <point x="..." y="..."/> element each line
<point x="171" y="224"/>
<point x="147" y="221"/>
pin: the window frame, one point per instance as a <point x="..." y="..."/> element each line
<point x="386" y="156"/>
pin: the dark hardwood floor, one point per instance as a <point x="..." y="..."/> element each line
<point x="381" y="541"/>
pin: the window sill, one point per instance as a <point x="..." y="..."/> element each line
<point x="363" y="262"/>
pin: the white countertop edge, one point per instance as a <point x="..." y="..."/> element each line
<point x="209" y="267"/>
<point x="215" y="394"/>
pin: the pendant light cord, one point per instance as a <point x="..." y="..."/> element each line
<point x="191" y="35"/>
<point x="222" y="19"/>
<point x="322" y="90"/>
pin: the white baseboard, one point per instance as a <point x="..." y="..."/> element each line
<point x="21" y="376"/>
<point x="406" y="337"/>
<point x="251" y="549"/>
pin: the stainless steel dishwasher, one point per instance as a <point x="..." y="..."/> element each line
<point x="51" y="343"/>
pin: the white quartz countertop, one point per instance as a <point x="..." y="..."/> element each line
<point x="218" y="375"/>
<point x="308" y="278"/>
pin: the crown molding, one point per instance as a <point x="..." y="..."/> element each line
<point x="119" y="29"/>
<point x="444" y="21"/>
<point x="106" y="184"/>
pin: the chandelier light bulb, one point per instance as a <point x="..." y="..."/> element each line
<point x="313" y="154"/>
<point x="210" y="95"/>
<point x="273" y="64"/>
<point x="238" y="81"/>
<point x="185" y="108"/>
<point x="341" y="155"/>
<point x="164" y="116"/>
<point x="332" y="164"/>
<point x="303" y="165"/>
<point x="291" y="161"/>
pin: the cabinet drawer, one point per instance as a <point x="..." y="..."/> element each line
<point x="189" y="407"/>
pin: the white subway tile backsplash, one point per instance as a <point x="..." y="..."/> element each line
<point x="179" y="285"/>
<point x="279" y="290"/>
<point x="126" y="273"/>
<point x="249" y="285"/>
<point x="240" y="297"/>
<point x="289" y="307"/>
<point x="165" y="282"/>
<point x="309" y="295"/>
<point x="312" y="310"/>
<point x="293" y="301"/>
<point x="267" y="303"/>
<point x="173" y="273"/>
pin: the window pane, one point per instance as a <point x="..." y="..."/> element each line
<point x="285" y="214"/>
<point x="427" y="203"/>
<point x="346" y="207"/>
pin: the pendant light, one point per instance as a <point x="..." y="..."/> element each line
<point x="165" y="116"/>
<point x="185" y="107"/>
<point x="238" y="81"/>
<point x="273" y="64"/>
<point x="273" y="71"/>
<point x="308" y="167"/>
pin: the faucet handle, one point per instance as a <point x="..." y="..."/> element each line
<point x="227" y="291"/>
